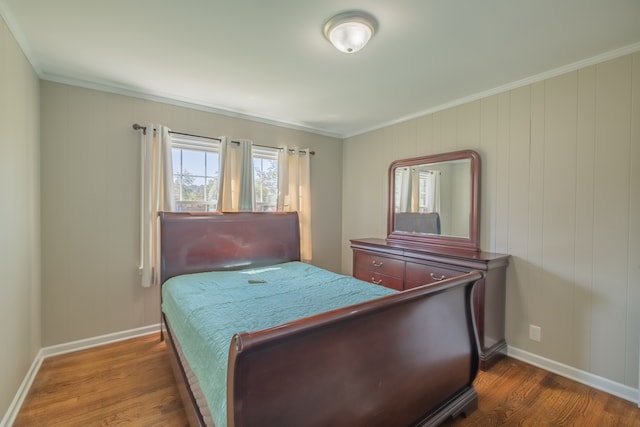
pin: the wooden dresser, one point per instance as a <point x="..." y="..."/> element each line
<point x="398" y="267"/>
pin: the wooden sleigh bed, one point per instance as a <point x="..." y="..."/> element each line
<point x="408" y="358"/>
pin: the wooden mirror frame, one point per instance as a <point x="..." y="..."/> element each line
<point x="401" y="238"/>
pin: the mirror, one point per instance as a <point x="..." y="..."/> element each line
<point x="435" y="201"/>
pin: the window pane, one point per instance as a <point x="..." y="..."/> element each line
<point x="211" y="190"/>
<point x="195" y="189"/>
<point x="193" y="162"/>
<point x="176" y="156"/>
<point x="213" y="164"/>
<point x="265" y="175"/>
<point x="177" y="186"/>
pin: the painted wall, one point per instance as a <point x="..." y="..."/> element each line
<point x="90" y="204"/>
<point x="560" y="193"/>
<point x="19" y="217"/>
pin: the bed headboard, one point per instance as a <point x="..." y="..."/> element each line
<point x="197" y="242"/>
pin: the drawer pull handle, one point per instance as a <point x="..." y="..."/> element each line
<point x="436" y="278"/>
<point x="375" y="282"/>
<point x="377" y="264"/>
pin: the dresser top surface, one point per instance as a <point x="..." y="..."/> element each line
<point x="409" y="251"/>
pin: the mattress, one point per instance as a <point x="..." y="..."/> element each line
<point x="205" y="310"/>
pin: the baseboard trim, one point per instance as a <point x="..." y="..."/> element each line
<point x="12" y="412"/>
<point x="69" y="347"/>
<point x="623" y="391"/>
<point x="54" y="350"/>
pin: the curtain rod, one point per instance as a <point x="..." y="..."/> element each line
<point x="136" y="126"/>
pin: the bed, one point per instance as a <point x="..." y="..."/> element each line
<point x="372" y="357"/>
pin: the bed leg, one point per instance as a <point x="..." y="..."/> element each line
<point x="162" y="320"/>
<point x="161" y="327"/>
<point x="461" y="406"/>
<point x="467" y="403"/>
<point x="468" y="409"/>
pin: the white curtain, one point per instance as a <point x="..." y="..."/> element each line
<point x="236" y="176"/>
<point x="294" y="194"/>
<point x="433" y="191"/>
<point x="156" y="188"/>
<point x="406" y="179"/>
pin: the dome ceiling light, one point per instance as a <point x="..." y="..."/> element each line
<point x="350" y="31"/>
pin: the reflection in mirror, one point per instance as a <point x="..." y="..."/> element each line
<point x="419" y="205"/>
<point x="434" y="200"/>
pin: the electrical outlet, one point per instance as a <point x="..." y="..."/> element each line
<point x="535" y="333"/>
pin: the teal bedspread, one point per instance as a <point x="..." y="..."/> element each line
<point x="205" y="310"/>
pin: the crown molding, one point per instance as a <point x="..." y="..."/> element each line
<point x="613" y="54"/>
<point x="182" y="102"/>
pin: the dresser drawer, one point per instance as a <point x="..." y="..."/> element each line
<point x="380" y="265"/>
<point x="422" y="274"/>
<point x="379" y="279"/>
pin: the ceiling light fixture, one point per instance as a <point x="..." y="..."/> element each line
<point x="350" y="31"/>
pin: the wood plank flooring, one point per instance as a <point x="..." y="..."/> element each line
<point x="130" y="383"/>
<point x="514" y="393"/>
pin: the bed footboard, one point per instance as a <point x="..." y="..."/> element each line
<point x="406" y="359"/>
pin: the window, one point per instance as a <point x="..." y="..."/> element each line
<point x="196" y="175"/>
<point x="265" y="178"/>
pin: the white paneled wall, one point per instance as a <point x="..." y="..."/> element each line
<point x="560" y="193"/>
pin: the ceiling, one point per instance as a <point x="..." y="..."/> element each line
<point x="269" y="60"/>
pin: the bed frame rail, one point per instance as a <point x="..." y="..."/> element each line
<point x="406" y="359"/>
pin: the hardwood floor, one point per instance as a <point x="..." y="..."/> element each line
<point x="130" y="384"/>
<point x="514" y="393"/>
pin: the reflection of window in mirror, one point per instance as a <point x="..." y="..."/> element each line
<point x="417" y="190"/>
<point x="429" y="189"/>
<point x="400" y="172"/>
